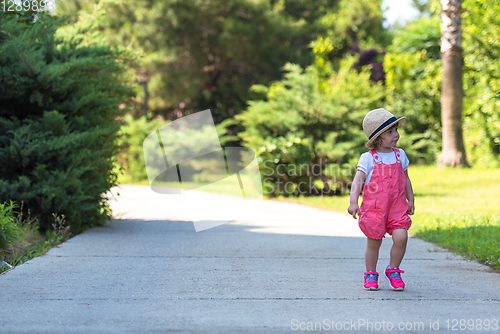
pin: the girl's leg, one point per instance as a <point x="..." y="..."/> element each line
<point x="371" y="253"/>
<point x="399" y="239"/>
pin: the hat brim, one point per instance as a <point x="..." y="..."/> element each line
<point x="399" y="122"/>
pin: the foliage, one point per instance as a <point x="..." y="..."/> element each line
<point x="413" y="70"/>
<point x="30" y="242"/>
<point x="8" y="228"/>
<point x="286" y="161"/>
<point x="419" y="35"/>
<point x="206" y="54"/>
<point x="60" y="91"/>
<point x="355" y="22"/>
<point x="305" y="121"/>
<point x="413" y="84"/>
<point x="481" y="81"/>
<point x="323" y="107"/>
<point x="355" y="29"/>
<point x="130" y="159"/>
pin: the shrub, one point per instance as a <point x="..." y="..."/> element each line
<point x="60" y="92"/>
<point x="413" y="83"/>
<point x="285" y="163"/>
<point x="8" y="228"/>
<point x="481" y="82"/>
<point x="309" y="125"/>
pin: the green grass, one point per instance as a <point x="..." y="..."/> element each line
<point x="456" y="209"/>
<point x="30" y="243"/>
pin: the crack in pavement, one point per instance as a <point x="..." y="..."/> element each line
<point x="267" y="298"/>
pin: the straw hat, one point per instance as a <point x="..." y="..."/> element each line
<point x="377" y="121"/>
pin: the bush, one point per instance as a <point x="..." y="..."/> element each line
<point x="60" y="90"/>
<point x="311" y="126"/>
<point x="285" y="161"/>
<point x="8" y="228"/>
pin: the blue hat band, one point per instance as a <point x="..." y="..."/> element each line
<point x="386" y="123"/>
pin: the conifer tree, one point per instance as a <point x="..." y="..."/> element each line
<point x="60" y="91"/>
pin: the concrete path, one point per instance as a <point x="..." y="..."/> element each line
<point x="272" y="268"/>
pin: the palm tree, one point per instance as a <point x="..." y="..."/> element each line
<point x="453" y="153"/>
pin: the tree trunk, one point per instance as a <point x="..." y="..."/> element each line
<point x="453" y="153"/>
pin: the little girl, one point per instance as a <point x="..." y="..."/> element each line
<point x="387" y="196"/>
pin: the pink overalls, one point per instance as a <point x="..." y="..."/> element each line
<point x="384" y="204"/>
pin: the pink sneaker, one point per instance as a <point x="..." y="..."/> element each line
<point x="393" y="275"/>
<point x="371" y="280"/>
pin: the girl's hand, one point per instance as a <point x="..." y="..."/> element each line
<point x="353" y="209"/>
<point x="411" y="208"/>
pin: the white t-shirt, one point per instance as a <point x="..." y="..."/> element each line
<point x="366" y="162"/>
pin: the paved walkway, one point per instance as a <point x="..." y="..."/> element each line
<point x="273" y="267"/>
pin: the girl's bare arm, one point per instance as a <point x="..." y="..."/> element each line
<point x="353" y="208"/>
<point x="409" y="195"/>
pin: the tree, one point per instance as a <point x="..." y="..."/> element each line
<point x="453" y="153"/>
<point x="355" y="26"/>
<point x="206" y="54"/>
<point x="60" y="91"/>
